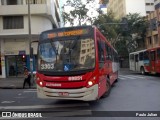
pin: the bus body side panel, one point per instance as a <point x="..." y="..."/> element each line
<point x="141" y="64"/>
<point x="153" y="61"/>
<point x="158" y="60"/>
<point x="101" y="71"/>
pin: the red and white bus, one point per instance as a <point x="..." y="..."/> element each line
<point x="145" y="61"/>
<point x="75" y="63"/>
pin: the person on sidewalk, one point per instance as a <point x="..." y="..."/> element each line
<point x="27" y="78"/>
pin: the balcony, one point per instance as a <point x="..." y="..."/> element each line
<point x="36" y="9"/>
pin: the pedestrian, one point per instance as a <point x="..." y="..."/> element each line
<point x="27" y="78"/>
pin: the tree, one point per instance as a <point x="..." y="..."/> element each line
<point x="107" y="25"/>
<point x="136" y="33"/>
<point x="78" y="11"/>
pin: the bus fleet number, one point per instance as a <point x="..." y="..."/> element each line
<point x="47" y="66"/>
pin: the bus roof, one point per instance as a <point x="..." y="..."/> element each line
<point x="138" y="51"/>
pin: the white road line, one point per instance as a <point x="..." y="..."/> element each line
<point x="122" y="78"/>
<point x="127" y="77"/>
<point x="136" y="76"/>
<point x="30" y="90"/>
<point x="4" y="102"/>
<point x="44" y="106"/>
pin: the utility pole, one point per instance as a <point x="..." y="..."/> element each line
<point x="30" y="40"/>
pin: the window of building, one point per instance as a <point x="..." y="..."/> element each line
<point x="36" y="1"/>
<point x="156" y="39"/>
<point x="12" y="2"/>
<point x="13" y="22"/>
<point x="149" y="40"/>
<point x="147" y="3"/>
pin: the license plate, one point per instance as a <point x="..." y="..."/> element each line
<point x="63" y="94"/>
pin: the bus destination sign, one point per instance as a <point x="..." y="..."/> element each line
<point x="68" y="33"/>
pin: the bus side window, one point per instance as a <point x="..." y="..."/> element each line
<point x="107" y="52"/>
<point x="152" y="55"/>
<point x="101" y="53"/>
<point x="146" y="55"/>
<point x="131" y="57"/>
<point x="141" y="56"/>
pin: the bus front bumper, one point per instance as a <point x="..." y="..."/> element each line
<point x="85" y="94"/>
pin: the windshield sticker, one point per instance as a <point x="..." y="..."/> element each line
<point x="66" y="67"/>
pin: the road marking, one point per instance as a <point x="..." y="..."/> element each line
<point x="44" y="106"/>
<point x="30" y="90"/>
<point x="19" y="97"/>
<point x="4" y="102"/>
<point x="122" y="78"/>
<point x="136" y="76"/>
<point x="127" y="77"/>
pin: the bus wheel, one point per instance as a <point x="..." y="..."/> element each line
<point x="142" y="71"/>
<point x="108" y="86"/>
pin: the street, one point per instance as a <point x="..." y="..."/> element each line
<point x="133" y="92"/>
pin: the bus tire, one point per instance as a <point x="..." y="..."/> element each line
<point x="117" y="78"/>
<point x="108" y="85"/>
<point x="142" y="71"/>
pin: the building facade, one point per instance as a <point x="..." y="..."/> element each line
<point x="14" y="32"/>
<point x="153" y="31"/>
<point x="121" y="8"/>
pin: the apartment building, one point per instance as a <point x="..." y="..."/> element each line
<point x="14" y="30"/>
<point x="121" y="8"/>
<point x="153" y="31"/>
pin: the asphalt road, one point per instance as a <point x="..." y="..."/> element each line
<point x="132" y="95"/>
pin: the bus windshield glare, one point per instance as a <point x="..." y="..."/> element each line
<point x="66" y="55"/>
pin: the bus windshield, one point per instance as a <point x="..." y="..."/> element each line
<point x="66" y="55"/>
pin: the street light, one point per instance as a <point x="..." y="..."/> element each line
<point x="30" y="40"/>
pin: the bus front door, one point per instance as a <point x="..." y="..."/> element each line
<point x="136" y="62"/>
<point x="153" y="60"/>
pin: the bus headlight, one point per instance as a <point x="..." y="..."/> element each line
<point x="41" y="83"/>
<point x="91" y="82"/>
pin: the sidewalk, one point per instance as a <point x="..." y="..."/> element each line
<point x="13" y="83"/>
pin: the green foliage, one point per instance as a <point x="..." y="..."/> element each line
<point x="78" y="11"/>
<point x="124" y="41"/>
<point x="104" y="23"/>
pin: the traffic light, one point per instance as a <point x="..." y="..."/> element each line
<point x="24" y="58"/>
